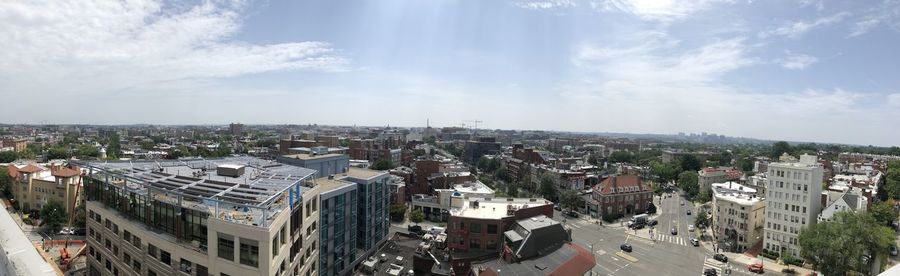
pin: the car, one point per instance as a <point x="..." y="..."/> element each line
<point x="674" y="231"/>
<point x="690" y="227"/>
<point x="79" y="232"/>
<point x="652" y="222"/>
<point x="894" y="251"/>
<point x="556" y="207"/>
<point x="66" y="231"/>
<point x="572" y="214"/>
<point x="625" y="247"/>
<point x="721" y="257"/>
<point x="757" y="268"/>
<point x="688" y="212"/>
<point x="695" y="242"/>
<point x="710" y="272"/>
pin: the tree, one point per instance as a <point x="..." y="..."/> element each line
<point x="6" y="181"/>
<point x="570" y="199"/>
<point x="417" y="216"/>
<point x="836" y="247"/>
<point x="382" y="165"/>
<point x="57" y="152"/>
<point x="892" y="182"/>
<point x="651" y="209"/>
<point x="702" y="220"/>
<point x="665" y="171"/>
<point x="83" y="151"/>
<point x="779" y="148"/>
<point x="884" y="212"/>
<point x="548" y="187"/>
<point x="745" y="164"/>
<point x="80" y="217"/>
<point x="690" y="163"/>
<point x="512" y="190"/>
<point x="592" y="159"/>
<point x="687" y="181"/>
<point x="8" y="156"/>
<point x="53" y="215"/>
<point x="398" y="211"/>
<point x="621" y="157"/>
<point x="705" y="196"/>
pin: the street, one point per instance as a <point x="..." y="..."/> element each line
<point x="658" y="254"/>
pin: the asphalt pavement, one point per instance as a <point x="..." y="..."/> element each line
<point x="658" y="254"/>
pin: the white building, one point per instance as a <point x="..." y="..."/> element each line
<point x="738" y="216"/>
<point x="793" y="201"/>
<point x="851" y="200"/>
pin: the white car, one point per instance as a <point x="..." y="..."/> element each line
<point x="690" y="227"/>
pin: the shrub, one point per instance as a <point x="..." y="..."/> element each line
<point x="611" y="217"/>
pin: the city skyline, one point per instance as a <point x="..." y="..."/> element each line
<point x="791" y="70"/>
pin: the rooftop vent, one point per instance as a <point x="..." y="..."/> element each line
<point x="232" y="170"/>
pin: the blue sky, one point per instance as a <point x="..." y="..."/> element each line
<point x="821" y="71"/>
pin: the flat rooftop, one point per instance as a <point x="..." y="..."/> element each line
<point x="326" y="184"/>
<point x="361" y="173"/>
<point x="304" y="156"/>
<point x="261" y="183"/>
<point x="495" y="208"/>
<point x="475" y="187"/>
<point x="736" y="193"/>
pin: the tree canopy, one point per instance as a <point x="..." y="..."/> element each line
<point x="702" y="220"/>
<point x="417" y="216"/>
<point x="53" y="215"/>
<point x="665" y="171"/>
<point x="687" y="181"/>
<point x="779" y="148"/>
<point x="571" y="199"/>
<point x="8" y="156"/>
<point x="838" y="246"/>
<point x="548" y="187"/>
<point x="690" y="162"/>
<point x="382" y="164"/>
<point x="621" y="157"/>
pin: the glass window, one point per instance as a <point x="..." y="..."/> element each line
<point x="151" y="250"/>
<point x="249" y="252"/>
<point x="226" y="246"/>
<point x="165" y="257"/>
<point x="475" y="228"/>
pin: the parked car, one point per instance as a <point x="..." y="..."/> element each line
<point x="556" y="207"/>
<point x="573" y="214"/>
<point x="415" y="229"/>
<point x="710" y="272"/>
<point x="695" y="242"/>
<point x="80" y="232"/>
<point x="688" y="212"/>
<point x="674" y="231"/>
<point x="894" y="251"/>
<point x="652" y="222"/>
<point x="721" y="257"/>
<point x="66" y="231"/>
<point x="625" y="247"/>
<point x="757" y="268"/>
<point x="690" y="227"/>
<point x="789" y="271"/>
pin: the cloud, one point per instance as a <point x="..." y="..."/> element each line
<point x="885" y="14"/>
<point x="655" y="10"/>
<point x="894" y="100"/>
<point x="81" y="46"/>
<point x="797" y="61"/>
<point x="544" y="4"/>
<point x="642" y="88"/>
<point x="797" y="29"/>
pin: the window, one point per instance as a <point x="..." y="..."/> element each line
<point x="474" y="244"/>
<point x="126" y="235"/>
<point x="491" y="244"/>
<point x="136" y="241"/>
<point x="151" y="250"/>
<point x="475" y="228"/>
<point x="202" y="270"/>
<point x="249" y="252"/>
<point x="492" y="229"/>
<point x="151" y="273"/>
<point x="186" y="266"/>
<point x="165" y="257"/>
<point x="136" y="265"/>
<point x="226" y="246"/>
<point x="275" y="246"/>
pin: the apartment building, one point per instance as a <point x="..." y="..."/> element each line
<point x="230" y="216"/>
<point x="709" y="175"/>
<point x="324" y="164"/>
<point x="738" y="216"/>
<point x="39" y="184"/>
<point x="339" y="226"/>
<point x="374" y="201"/>
<point x="792" y="201"/>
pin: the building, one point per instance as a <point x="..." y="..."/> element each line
<point x="38" y="184"/>
<point x="285" y="145"/>
<point x="851" y="200"/>
<point x="475" y="149"/>
<point x="236" y="129"/>
<point x="19" y="145"/>
<point x="792" y="202"/>
<point x="337" y="234"/>
<point x="373" y="212"/>
<point x="622" y="195"/>
<point x="738" y="216"/>
<point x="476" y="226"/>
<point x="709" y="175"/>
<point x="437" y="208"/>
<point x="228" y="216"/>
<point x="18" y="256"/>
<point x="537" y="246"/>
<point x="324" y="164"/>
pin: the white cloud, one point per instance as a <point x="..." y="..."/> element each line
<point x="894" y="100"/>
<point x="94" y="46"/>
<point x="544" y="4"/>
<point x="797" y="61"/>
<point x="656" y="10"/>
<point x="797" y="29"/>
<point x="885" y="14"/>
<point x="647" y="89"/>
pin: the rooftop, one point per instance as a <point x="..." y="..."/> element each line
<point x="304" y="156"/>
<point x="475" y="187"/>
<point x="495" y="208"/>
<point x="361" y="173"/>
<point x="736" y="193"/>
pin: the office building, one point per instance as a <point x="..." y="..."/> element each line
<point x="793" y="201"/>
<point x="228" y="216"/>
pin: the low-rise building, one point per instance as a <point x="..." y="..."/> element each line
<point x="39" y="184"/>
<point x="738" y="216"/>
<point x="851" y="200"/>
<point x="622" y="195"/>
<point x="709" y="175"/>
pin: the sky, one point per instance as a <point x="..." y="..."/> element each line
<point x="820" y="71"/>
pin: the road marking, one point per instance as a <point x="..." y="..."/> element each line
<point x="601" y="252"/>
<point x="626" y="257"/>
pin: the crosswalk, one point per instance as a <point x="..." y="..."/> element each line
<point x="671" y="239"/>
<point x="712" y="263"/>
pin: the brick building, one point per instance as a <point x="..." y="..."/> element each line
<point x="623" y="195"/>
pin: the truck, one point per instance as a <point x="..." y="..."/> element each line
<point x="638" y="220"/>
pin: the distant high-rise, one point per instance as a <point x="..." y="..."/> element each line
<point x="236" y="129"/>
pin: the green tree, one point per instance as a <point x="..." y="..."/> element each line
<point x="6" y="181"/>
<point x="593" y="160"/>
<point x="8" y="156"/>
<point x="836" y="247"/>
<point x="53" y="215"/>
<point x="83" y="151"/>
<point x="621" y="157"/>
<point x="570" y="199"/>
<point x="548" y="187"/>
<point x="705" y="196"/>
<point x="744" y="164"/>
<point x="702" y="220"/>
<point x="779" y="148"/>
<point x="891" y="188"/>
<point x="398" y="212"/>
<point x="512" y="190"/>
<point x="665" y="171"/>
<point x="884" y="212"/>
<point x="57" y="152"/>
<point x="687" y="181"/>
<point x="417" y="216"/>
<point x="80" y="217"/>
<point x="382" y="165"/>
<point x="690" y="163"/>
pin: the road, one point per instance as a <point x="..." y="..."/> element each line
<point x="659" y="254"/>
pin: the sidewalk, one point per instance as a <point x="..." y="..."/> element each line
<point x="768" y="264"/>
